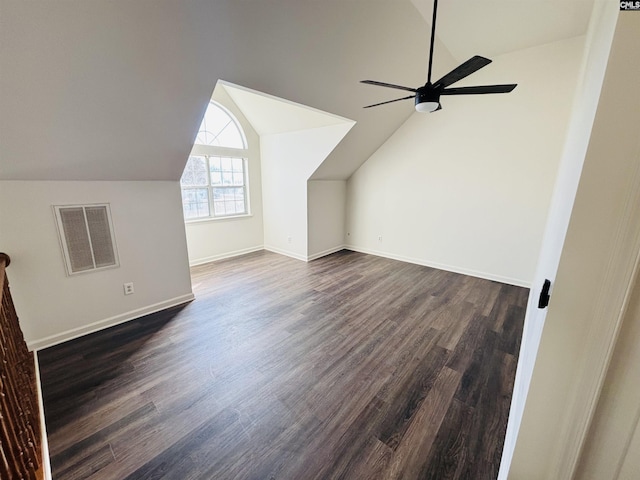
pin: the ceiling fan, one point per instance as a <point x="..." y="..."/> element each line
<point x="427" y="97"/>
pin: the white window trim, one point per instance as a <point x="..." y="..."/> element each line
<point x="215" y="151"/>
<point x="218" y="219"/>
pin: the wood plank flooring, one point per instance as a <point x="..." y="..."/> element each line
<point x="348" y="367"/>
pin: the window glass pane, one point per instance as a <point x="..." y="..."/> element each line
<point x="188" y="196"/>
<point x="214" y="164"/>
<point x="195" y="172"/>
<point x="202" y="195"/>
<point x="238" y="178"/>
<point x="230" y="136"/>
<point x="215" y="120"/>
<point x="226" y="164"/>
<point x="216" y="178"/>
<point x="203" y="209"/>
<point x="195" y="202"/>
<point x="239" y="194"/>
<point x="238" y="164"/>
<point x="229" y="201"/>
<point x="227" y="178"/>
<point x="189" y="208"/>
<point x="219" y="128"/>
<point x="218" y="208"/>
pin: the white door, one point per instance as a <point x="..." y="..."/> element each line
<point x="598" y="44"/>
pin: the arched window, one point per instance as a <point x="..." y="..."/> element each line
<point x="219" y="128"/>
<point x="214" y="181"/>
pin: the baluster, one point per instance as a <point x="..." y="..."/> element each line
<point x="20" y="449"/>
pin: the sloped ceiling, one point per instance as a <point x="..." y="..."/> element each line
<point x="268" y="114"/>
<point x="115" y="90"/>
<point x="495" y="27"/>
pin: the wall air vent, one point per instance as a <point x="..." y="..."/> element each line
<point x="86" y="237"/>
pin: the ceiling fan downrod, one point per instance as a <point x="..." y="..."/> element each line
<point x="427" y="97"/>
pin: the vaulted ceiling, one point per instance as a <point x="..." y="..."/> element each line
<point x="96" y="90"/>
<point x="495" y="27"/>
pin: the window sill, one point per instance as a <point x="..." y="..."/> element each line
<point x="216" y="219"/>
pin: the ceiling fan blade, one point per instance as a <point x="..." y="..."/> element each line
<point x="390" y="101"/>
<point x="479" y="89"/>
<point x="467" y="68"/>
<point x="389" y="85"/>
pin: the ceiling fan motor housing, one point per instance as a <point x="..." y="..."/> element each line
<point x="429" y="96"/>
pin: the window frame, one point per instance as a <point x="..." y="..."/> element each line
<point x="210" y="188"/>
<point x="208" y="151"/>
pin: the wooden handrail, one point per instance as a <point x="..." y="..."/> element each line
<point x="20" y="436"/>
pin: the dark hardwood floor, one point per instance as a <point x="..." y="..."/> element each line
<point x="348" y="367"/>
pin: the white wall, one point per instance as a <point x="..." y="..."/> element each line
<point x="609" y="449"/>
<point x="288" y="160"/>
<point x="326" y="203"/>
<point x="210" y="240"/>
<point x="467" y="189"/>
<point x="53" y="307"/>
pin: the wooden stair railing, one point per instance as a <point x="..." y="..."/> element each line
<point x="20" y="435"/>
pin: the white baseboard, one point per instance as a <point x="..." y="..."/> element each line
<point x="46" y="462"/>
<point x="107" y="322"/>
<point x="440" y="266"/>
<point x="287" y="253"/>
<point x="222" y="256"/>
<point x="304" y="258"/>
<point x="325" y="253"/>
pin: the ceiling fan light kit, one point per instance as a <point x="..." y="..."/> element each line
<point x="427" y="107"/>
<point x="427" y="97"/>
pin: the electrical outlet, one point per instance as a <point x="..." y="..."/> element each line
<point x="379" y="238"/>
<point x="128" y="288"/>
<point x="289" y="239"/>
